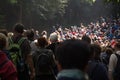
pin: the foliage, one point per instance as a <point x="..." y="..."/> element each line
<point x="90" y="1"/>
<point x="31" y="11"/>
<point x="114" y="1"/>
<point x="50" y="12"/>
<point x="13" y="1"/>
<point x="47" y="9"/>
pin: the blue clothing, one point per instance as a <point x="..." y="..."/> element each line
<point x="115" y="27"/>
<point x="117" y="36"/>
<point x="72" y="74"/>
<point x="97" y="70"/>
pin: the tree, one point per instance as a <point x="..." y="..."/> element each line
<point x="116" y="7"/>
<point x="31" y="12"/>
<point x="6" y="9"/>
<point x="115" y="1"/>
<point x="49" y="10"/>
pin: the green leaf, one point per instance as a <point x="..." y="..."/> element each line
<point x="13" y="1"/>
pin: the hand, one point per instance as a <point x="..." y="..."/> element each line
<point x="32" y="76"/>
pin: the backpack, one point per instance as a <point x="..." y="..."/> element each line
<point x="105" y="59"/>
<point x="116" y="73"/>
<point x="97" y="70"/>
<point x="43" y="62"/>
<point x="93" y="66"/>
<point x="16" y="55"/>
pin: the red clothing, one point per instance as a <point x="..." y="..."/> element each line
<point x="7" y="69"/>
<point x="113" y="43"/>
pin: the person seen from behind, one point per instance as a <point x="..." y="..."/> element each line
<point x="114" y="63"/>
<point x="24" y="73"/>
<point x="72" y="58"/>
<point x="96" y="69"/>
<point x="7" y="68"/>
<point x="44" y="61"/>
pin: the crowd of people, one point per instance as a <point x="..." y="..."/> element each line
<point x="69" y="53"/>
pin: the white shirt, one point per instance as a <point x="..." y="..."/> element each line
<point x="113" y="61"/>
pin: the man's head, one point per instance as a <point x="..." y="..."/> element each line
<point x="53" y="37"/>
<point x="86" y="38"/>
<point x="30" y="35"/>
<point x="19" y="28"/>
<point x="73" y="54"/>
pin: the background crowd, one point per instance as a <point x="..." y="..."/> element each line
<point x="75" y="53"/>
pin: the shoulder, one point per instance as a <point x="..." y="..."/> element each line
<point x="50" y="46"/>
<point x="97" y="66"/>
<point x="66" y="78"/>
<point x="42" y="51"/>
<point x="10" y="66"/>
<point x="47" y="51"/>
<point x="3" y="57"/>
<point x="113" y="58"/>
<point x="25" y="41"/>
<point x="102" y="66"/>
<point x="10" y="71"/>
<point x="118" y="53"/>
<point x="6" y="66"/>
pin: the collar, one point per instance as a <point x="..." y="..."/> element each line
<point x="72" y="73"/>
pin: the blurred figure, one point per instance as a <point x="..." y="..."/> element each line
<point x="114" y="63"/>
<point x="25" y="53"/>
<point x="105" y="56"/>
<point x="44" y="61"/>
<point x="4" y="31"/>
<point x="72" y="58"/>
<point x="44" y="34"/>
<point x="32" y="41"/>
<point x="36" y="36"/>
<point x="54" y="41"/>
<point x="7" y="69"/>
<point x="30" y="35"/>
<point x="96" y="69"/>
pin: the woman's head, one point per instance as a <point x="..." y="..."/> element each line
<point x="3" y="41"/>
<point x="42" y="42"/>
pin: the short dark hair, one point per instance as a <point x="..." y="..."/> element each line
<point x="109" y="51"/>
<point x="19" y="28"/>
<point x="30" y="35"/>
<point x="86" y="38"/>
<point x="73" y="54"/>
<point x="96" y="51"/>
